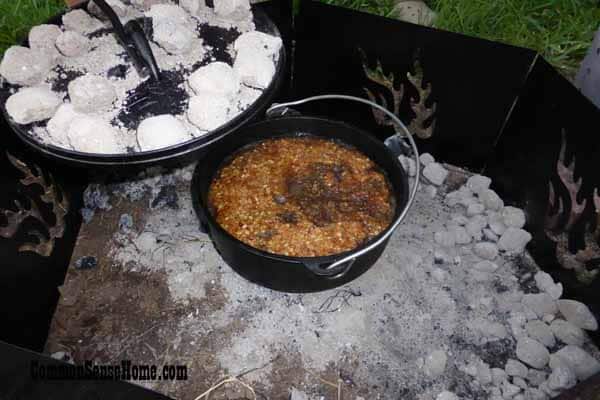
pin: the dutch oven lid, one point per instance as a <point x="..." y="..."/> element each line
<point x="217" y="38"/>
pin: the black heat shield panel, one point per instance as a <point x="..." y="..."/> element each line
<point x="479" y="123"/>
<point x="474" y="82"/>
<point x="28" y="280"/>
<point x="525" y="161"/>
<point x="16" y="368"/>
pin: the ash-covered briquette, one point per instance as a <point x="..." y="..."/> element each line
<point x="73" y="58"/>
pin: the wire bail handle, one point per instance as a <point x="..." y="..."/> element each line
<point x="395" y="143"/>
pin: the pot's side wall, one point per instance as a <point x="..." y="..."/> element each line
<point x="466" y="89"/>
<point x="551" y="115"/>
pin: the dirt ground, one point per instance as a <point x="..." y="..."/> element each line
<point x="161" y="295"/>
<point x="107" y="314"/>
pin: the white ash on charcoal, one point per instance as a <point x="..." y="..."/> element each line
<point x="578" y="314"/>
<point x="408" y="163"/>
<point x="24" y="66"/>
<point x="58" y="125"/>
<point x="256" y="55"/>
<point x="85" y="66"/>
<point x="81" y="22"/>
<point x="209" y="111"/>
<point x="193" y="6"/>
<point x="216" y="78"/>
<point x="254" y="70"/>
<point x="72" y="44"/>
<point x="434" y="318"/>
<point x="33" y="104"/>
<point x="90" y="94"/>
<point x="150" y="133"/>
<point x="93" y="134"/>
<point x="435" y="173"/>
<point x="259" y="43"/>
<point x="118" y="6"/>
<point x="224" y="13"/>
<point x="567" y="333"/>
<point x="42" y="38"/>
<point x="172" y="28"/>
<point x="145" y="5"/>
<point x="235" y="9"/>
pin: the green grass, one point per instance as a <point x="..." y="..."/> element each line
<point x="18" y="16"/>
<point x="561" y="30"/>
<point x="379" y="7"/>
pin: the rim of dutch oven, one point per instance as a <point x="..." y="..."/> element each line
<point x="400" y="206"/>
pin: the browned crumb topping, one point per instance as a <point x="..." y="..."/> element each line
<point x="301" y="197"/>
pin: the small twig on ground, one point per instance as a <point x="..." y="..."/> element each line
<point x="341" y="296"/>
<point x="337" y="386"/>
<point x="236" y="379"/>
<point x="257" y="368"/>
<point x="226" y="380"/>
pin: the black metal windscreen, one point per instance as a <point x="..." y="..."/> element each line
<point x="39" y="208"/>
<point x="455" y="92"/>
<point x="545" y="163"/>
<point x="489" y="107"/>
<point x="493" y="108"/>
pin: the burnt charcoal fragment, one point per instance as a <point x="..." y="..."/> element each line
<point x="167" y="197"/>
<point x="500" y="287"/>
<point x="87" y="262"/>
<point x="65" y="76"/>
<point x="118" y="71"/>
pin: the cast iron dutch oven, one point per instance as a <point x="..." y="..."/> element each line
<point x="176" y="154"/>
<point x="304" y="274"/>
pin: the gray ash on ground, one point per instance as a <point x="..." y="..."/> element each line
<point x="95" y="197"/>
<point x="427" y="318"/>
